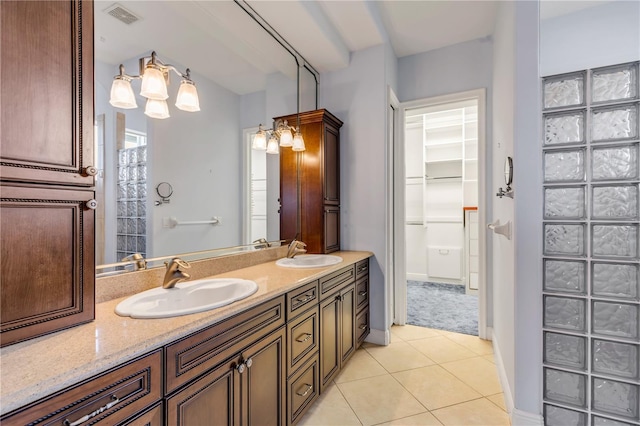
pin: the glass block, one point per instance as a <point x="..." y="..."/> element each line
<point x="563" y="91"/>
<point x="131" y="226"/>
<point x="120" y="255"/>
<point x="564" y="312"/>
<point x="122" y="192"/>
<point x="142" y="208"/>
<point x="142" y="154"/>
<point x="615" y="202"/>
<point x="614" y="83"/>
<point x="132" y="191"/>
<point x="121" y="242"/>
<point x="131" y="244"/>
<point x="133" y="173"/>
<point x="615" y="397"/>
<point x="615" y="358"/>
<point x="564" y="166"/>
<point x="122" y="208"/>
<point x="141" y="243"/>
<point x="602" y="421"/>
<point x="615" y="280"/>
<point x="132" y="208"/>
<point x="123" y="173"/>
<point x="121" y="226"/>
<point x="141" y="228"/>
<point x="615" y="319"/>
<point x="615" y="240"/>
<point x="142" y="190"/>
<point x="564" y="276"/>
<point x="565" y="350"/>
<point x="615" y="163"/>
<point x="557" y="416"/>
<point x="133" y="155"/>
<point x="565" y="239"/>
<point x="614" y="123"/>
<point x="564" y="203"/>
<point x="565" y="128"/>
<point x="565" y="387"/>
<point x="123" y="158"/>
<point x="142" y="172"/>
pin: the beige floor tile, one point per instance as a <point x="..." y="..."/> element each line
<point x="435" y="387"/>
<point x="424" y="419"/>
<point x="473" y="343"/>
<point x="490" y="358"/>
<point x="498" y="399"/>
<point x="442" y="349"/>
<point x="379" y="399"/>
<point x="477" y="372"/>
<point x="399" y="356"/>
<point x="413" y="332"/>
<point x="360" y="366"/>
<point x="369" y="345"/>
<point x="479" y="412"/>
<point x="330" y="409"/>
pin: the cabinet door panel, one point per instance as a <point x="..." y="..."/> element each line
<point x="347" y="322"/>
<point x="331" y="165"/>
<point x="331" y="229"/>
<point x="329" y="340"/>
<point x="47" y="91"/>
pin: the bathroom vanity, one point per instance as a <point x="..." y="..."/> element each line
<point x="261" y="360"/>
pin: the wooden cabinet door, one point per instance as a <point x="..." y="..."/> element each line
<point x="214" y="399"/>
<point x="329" y="339"/>
<point x="46" y="98"/>
<point x="331" y="154"/>
<point x="347" y="322"/>
<point x="331" y="229"/>
<point x="264" y="382"/>
<point x="47" y="253"/>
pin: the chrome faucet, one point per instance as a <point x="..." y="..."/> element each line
<point x="174" y="274"/>
<point x="296" y="247"/>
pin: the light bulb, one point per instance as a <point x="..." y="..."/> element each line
<point x="156" y="109"/>
<point x="187" y="99"/>
<point x="122" y="94"/>
<point x="259" y="140"/>
<point x="153" y="84"/>
<point x="285" y="138"/>
<point x="298" y="142"/>
<point x="272" y="146"/>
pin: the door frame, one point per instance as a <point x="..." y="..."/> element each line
<point x="396" y="234"/>
<point x="246" y="183"/>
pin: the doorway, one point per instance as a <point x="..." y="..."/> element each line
<point x="439" y="209"/>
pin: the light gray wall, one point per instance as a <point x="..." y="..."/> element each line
<point x="594" y="37"/>
<point x="357" y="96"/>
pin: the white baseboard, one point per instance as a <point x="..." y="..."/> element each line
<point x="417" y="277"/>
<point x="525" y="418"/>
<point x="378" y="337"/>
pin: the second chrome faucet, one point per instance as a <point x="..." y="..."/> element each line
<point x="174" y="274"/>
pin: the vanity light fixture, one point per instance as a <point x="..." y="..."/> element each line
<point x="155" y="78"/>
<point x="280" y="135"/>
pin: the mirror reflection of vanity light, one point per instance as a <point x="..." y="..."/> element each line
<point x="508" y="179"/>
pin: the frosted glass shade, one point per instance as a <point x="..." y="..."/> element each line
<point x="259" y="141"/>
<point x="298" y="142"/>
<point x="187" y="99"/>
<point x="272" y="146"/>
<point x="286" y="139"/>
<point x="122" y="94"/>
<point x="157" y="109"/>
<point x="153" y="84"/>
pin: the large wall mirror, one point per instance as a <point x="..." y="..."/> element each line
<point x="243" y="77"/>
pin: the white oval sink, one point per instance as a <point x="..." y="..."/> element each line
<point x="309" y="261"/>
<point x="186" y="298"/>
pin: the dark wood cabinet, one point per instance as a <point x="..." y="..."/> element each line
<point x="46" y="153"/>
<point x="317" y="171"/>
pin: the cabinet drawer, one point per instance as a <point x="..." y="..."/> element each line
<point x="335" y="280"/>
<point x="362" y="268"/>
<point x="301" y="298"/>
<point x="362" y="293"/>
<point x="303" y="389"/>
<point x="302" y="335"/>
<point x="152" y="417"/>
<point x="362" y="325"/>
<point x="195" y="354"/>
<point x="108" y="398"/>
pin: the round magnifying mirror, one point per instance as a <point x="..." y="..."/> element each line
<point x="164" y="190"/>
<point x="508" y="171"/>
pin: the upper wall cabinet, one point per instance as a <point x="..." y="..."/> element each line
<point x="46" y="97"/>
<point x="317" y="171"/>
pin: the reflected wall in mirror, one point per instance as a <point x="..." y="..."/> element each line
<point x="243" y="78"/>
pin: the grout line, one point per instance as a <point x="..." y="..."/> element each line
<point x="347" y="401"/>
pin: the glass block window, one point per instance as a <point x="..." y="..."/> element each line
<point x="132" y="196"/>
<point x="591" y="247"/>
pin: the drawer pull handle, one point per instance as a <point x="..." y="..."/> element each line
<point x="363" y="293"/>
<point x="306" y="337"/>
<point x="362" y="269"/>
<point x="306" y="298"/>
<point x="83" y="419"/>
<point x="306" y="391"/>
<point x="363" y="327"/>
<point x="249" y="362"/>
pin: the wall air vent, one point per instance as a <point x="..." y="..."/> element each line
<point x="122" y="14"/>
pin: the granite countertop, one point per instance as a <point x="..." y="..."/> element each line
<point x="39" y="367"/>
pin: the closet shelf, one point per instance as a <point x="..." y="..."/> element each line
<point x="448" y="160"/>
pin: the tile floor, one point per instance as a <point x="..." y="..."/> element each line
<point x="424" y="377"/>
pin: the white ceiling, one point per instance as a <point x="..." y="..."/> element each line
<point x="218" y="40"/>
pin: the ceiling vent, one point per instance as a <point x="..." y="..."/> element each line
<point x="122" y="14"/>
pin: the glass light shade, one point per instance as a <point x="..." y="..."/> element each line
<point x="286" y="139"/>
<point x="187" y="99"/>
<point x="259" y="141"/>
<point x="272" y="146"/>
<point x="153" y="84"/>
<point x="298" y="142"/>
<point x="122" y="94"/>
<point x="156" y="109"/>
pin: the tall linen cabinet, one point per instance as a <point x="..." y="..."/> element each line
<point x="317" y="171"/>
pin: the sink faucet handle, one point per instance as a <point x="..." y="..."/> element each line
<point x="178" y="263"/>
